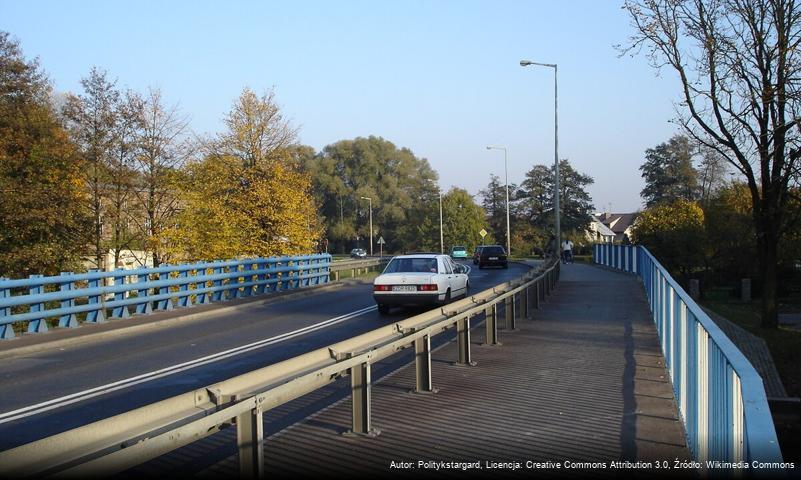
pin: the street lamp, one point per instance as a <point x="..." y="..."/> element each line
<point x="441" y="242"/>
<point x="506" y="175"/>
<point x="526" y="63"/>
<point x="370" y="200"/>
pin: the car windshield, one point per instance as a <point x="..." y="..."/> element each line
<point x="459" y="249"/>
<point x="412" y="265"/>
<point x="493" y="251"/>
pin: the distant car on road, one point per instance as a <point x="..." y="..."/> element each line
<point x="458" y="252"/>
<point x="477" y="254"/>
<point x="419" y="279"/>
<point x="493" y="255"/>
<point x="358" y="253"/>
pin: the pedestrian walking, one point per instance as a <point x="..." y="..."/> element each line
<point x="567" y="251"/>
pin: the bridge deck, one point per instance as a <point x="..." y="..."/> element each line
<point x="583" y="380"/>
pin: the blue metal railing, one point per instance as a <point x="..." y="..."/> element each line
<point x="36" y="299"/>
<point x="721" y="397"/>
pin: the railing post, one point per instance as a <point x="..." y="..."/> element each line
<point x="233" y="282"/>
<point x="463" y="341"/>
<point x="422" y="364"/>
<point x="98" y="315"/>
<point x="143" y="294"/>
<point x="491" y="324"/>
<point x="247" y="268"/>
<point x="38" y="325"/>
<point x="509" y="312"/>
<point x="219" y="294"/>
<point x="165" y="304"/>
<point x="6" y="330"/>
<point x="250" y="443"/>
<point x="527" y="302"/>
<point x="122" y="310"/>
<point x="203" y="297"/>
<point x="261" y="278"/>
<point x="547" y="285"/>
<point x="360" y="400"/>
<point x="184" y="300"/>
<point x="68" y="320"/>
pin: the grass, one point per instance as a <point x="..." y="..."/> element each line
<point x="785" y="348"/>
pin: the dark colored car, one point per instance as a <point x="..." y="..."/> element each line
<point x="492" y="256"/>
<point x="477" y="254"/>
<point x="358" y="253"/>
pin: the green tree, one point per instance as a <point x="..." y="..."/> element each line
<point x="462" y="220"/>
<point x="400" y="185"/>
<point x="730" y="233"/>
<point x="537" y="197"/>
<point x="669" y="173"/>
<point x="740" y="73"/>
<point x="674" y="233"/>
<point x="493" y="200"/>
<point x="43" y="215"/>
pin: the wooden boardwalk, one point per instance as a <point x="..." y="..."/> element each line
<point x="583" y="380"/>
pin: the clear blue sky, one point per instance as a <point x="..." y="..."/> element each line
<point x="439" y="77"/>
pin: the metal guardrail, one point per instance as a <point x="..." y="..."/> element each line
<point x="721" y="397"/>
<point x="63" y="297"/>
<point x="118" y="443"/>
<point x="357" y="266"/>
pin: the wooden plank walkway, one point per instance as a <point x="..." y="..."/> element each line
<point x="584" y="380"/>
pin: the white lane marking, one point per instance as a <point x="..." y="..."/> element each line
<point x="146" y="377"/>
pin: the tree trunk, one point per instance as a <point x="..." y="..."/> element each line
<point x="768" y="248"/>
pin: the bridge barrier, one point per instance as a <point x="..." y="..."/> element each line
<point x="357" y="266"/>
<point x="721" y="397"/>
<point x="104" y="295"/>
<point x="118" y="443"/>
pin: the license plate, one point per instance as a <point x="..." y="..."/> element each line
<point x="493" y="258"/>
<point x="404" y="288"/>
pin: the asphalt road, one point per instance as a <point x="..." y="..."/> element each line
<point x="52" y="391"/>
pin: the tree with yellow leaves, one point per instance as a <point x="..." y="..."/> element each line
<point x="247" y="197"/>
<point x="674" y="233"/>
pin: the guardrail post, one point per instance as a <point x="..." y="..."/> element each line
<point x="546" y="286"/>
<point x="6" y="330"/>
<point x="142" y="293"/>
<point x="463" y="341"/>
<point x="360" y="399"/>
<point x="233" y="282"/>
<point x="38" y="325"/>
<point x="261" y="278"/>
<point x="68" y="320"/>
<point x="121" y="311"/>
<point x="491" y="324"/>
<point x="219" y="294"/>
<point x="98" y="315"/>
<point x="203" y="297"/>
<point x="509" y="312"/>
<point x="422" y="364"/>
<point x="184" y="300"/>
<point x="250" y="443"/>
<point x="165" y="304"/>
<point x="527" y="302"/>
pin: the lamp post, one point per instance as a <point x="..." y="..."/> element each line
<point x="506" y="179"/>
<point x="441" y="242"/>
<point x="370" y="200"/>
<point x="526" y="63"/>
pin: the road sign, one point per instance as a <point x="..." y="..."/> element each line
<point x="381" y="241"/>
<point x="483" y="233"/>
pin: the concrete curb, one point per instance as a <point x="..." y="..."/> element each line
<point x="87" y="333"/>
